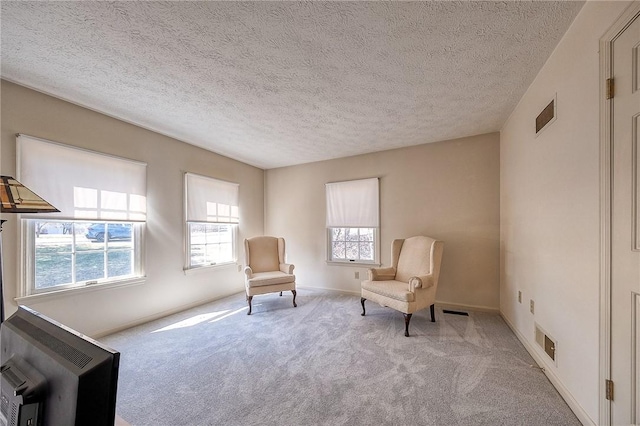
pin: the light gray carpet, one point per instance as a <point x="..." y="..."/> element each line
<point x="323" y="364"/>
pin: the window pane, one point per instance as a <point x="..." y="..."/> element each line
<point x="118" y="232"/>
<point x="120" y="245"/>
<point x="89" y="266"/>
<point x="198" y="255"/>
<point x="353" y="244"/>
<point x="210" y="244"/>
<point x="352" y="250"/>
<point x="338" y="250"/>
<point x="225" y="253"/>
<point x="366" y="234"/>
<point x="120" y="263"/>
<point x="213" y="235"/>
<point x="352" y="234"/>
<point x="226" y="233"/>
<point x="211" y="253"/>
<point x="82" y="242"/>
<point x="197" y="233"/>
<point x="366" y="251"/>
<point x="99" y="232"/>
<point x="52" y="264"/>
<point x="71" y="253"/>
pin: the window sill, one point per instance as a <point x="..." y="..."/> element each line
<point x="205" y="268"/>
<point x="56" y="294"/>
<point x="357" y="264"/>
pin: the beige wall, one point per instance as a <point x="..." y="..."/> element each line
<point x="550" y="224"/>
<point x="447" y="190"/>
<point x="166" y="288"/>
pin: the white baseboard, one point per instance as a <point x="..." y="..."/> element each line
<point x="555" y="381"/>
<point x="337" y="290"/>
<point x="459" y="306"/>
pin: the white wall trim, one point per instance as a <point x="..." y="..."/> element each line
<point x="337" y="290"/>
<point x="70" y="292"/>
<point x="606" y="43"/>
<point x="459" y="306"/>
<point x="604" y="406"/>
<point x="555" y="380"/>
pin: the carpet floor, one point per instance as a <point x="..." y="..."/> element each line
<point x="322" y="363"/>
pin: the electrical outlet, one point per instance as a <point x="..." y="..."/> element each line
<point x="531" y="305"/>
<point x="356" y="275"/>
<point x="239" y="268"/>
<point x="519" y="297"/>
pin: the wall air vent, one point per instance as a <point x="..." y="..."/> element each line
<point x="546" y="343"/>
<point x="547" y="116"/>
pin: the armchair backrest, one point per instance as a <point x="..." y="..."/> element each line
<point x="264" y="254"/>
<point x="416" y="256"/>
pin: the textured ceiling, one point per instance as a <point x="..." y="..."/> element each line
<point x="281" y="83"/>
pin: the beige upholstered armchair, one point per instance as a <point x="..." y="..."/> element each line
<point x="265" y="269"/>
<point x="410" y="283"/>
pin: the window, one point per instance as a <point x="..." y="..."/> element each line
<point x="353" y="243"/>
<point x="353" y="221"/>
<point x="97" y="235"/>
<point x="210" y="244"/>
<point x="211" y="216"/>
<point x="71" y="253"/>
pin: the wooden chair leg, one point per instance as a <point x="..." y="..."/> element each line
<point x="249" y="298"/>
<point x="433" y="314"/>
<point x="294" y="298"/>
<point x="362" y="299"/>
<point x="407" y="318"/>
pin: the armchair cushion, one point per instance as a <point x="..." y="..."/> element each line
<point x="393" y="289"/>
<point x="259" y="279"/>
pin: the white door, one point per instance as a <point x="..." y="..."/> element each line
<point x="625" y="245"/>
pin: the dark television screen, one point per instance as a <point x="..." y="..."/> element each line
<point x="80" y="374"/>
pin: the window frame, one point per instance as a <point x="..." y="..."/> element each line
<point x="353" y="204"/>
<point x="376" y="248"/>
<point x="90" y="186"/>
<point x="234" y="247"/>
<point x="197" y="207"/>
<point x="28" y="260"/>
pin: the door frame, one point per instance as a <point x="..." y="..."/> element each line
<point x="606" y="181"/>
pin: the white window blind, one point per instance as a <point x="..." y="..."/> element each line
<point x="211" y="200"/>
<point x="82" y="184"/>
<point x="353" y="204"/>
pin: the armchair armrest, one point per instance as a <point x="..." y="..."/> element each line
<point x="287" y="268"/>
<point x="248" y="272"/>
<point x="382" y="274"/>
<point x="423" y="281"/>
